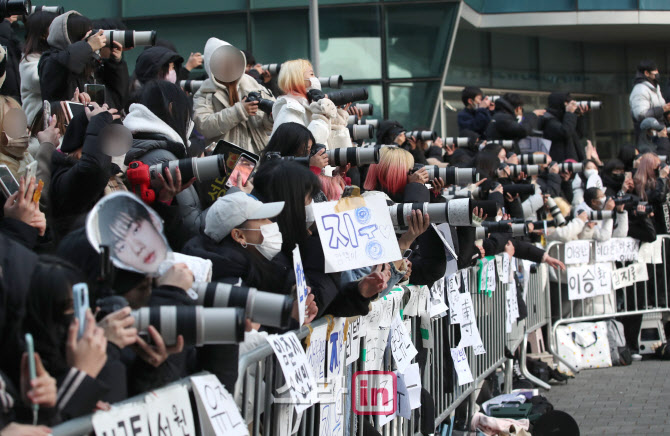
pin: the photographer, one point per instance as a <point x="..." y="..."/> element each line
<point x="12" y="48"/>
<point x="293" y="139"/>
<point x="71" y="61"/>
<point x="563" y="125"/>
<point x="615" y="180"/>
<point x="653" y="137"/>
<point x="646" y="99"/>
<point x="651" y="185"/>
<point x="588" y="178"/>
<point x="476" y="115"/>
<point x="505" y="122"/>
<point x="602" y="230"/>
<point x="221" y="109"/>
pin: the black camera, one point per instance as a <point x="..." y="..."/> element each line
<point x="516" y="229"/>
<point x="344" y="96"/>
<point x="14" y="7"/>
<point x="108" y="305"/>
<point x="202" y="168"/>
<point x="263" y="104"/>
<point x="271" y="155"/>
<point x="191" y="86"/>
<point x="518" y="188"/>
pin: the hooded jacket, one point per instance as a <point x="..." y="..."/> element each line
<point x="12" y="84"/>
<point x="563" y="129"/>
<point x="645" y="101"/>
<point x="504" y="124"/>
<point x="62" y="68"/>
<point x="31" y="96"/>
<point x="217" y="118"/>
<point x="151" y="60"/>
<point x="154" y="142"/>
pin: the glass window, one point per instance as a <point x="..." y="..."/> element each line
<point x="417" y="38"/>
<point x="654" y="5"/>
<point x="561" y="65"/>
<point x="612" y="5"/>
<point x="257" y="4"/>
<point x="412" y="104"/>
<point x="135" y="8"/>
<point x="514" y="61"/>
<point x="497" y="6"/>
<point x="228" y="27"/>
<point x="280" y="36"/>
<point x="350" y="43"/>
<point x="470" y="61"/>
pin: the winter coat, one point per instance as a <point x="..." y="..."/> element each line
<point x="475" y="120"/>
<point x="567" y="233"/>
<point x="12" y="85"/>
<point x="653" y="144"/>
<point x="76" y="185"/>
<point x="31" y="96"/>
<point x="156" y="142"/>
<point x="16" y="166"/>
<point x="645" y="101"/>
<point x="504" y="124"/>
<point x="62" y="68"/>
<point x="563" y="130"/>
<point x="216" y="118"/>
<point x="604" y="229"/>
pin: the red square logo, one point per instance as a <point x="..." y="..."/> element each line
<point x="374" y="393"/>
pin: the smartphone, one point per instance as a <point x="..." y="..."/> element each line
<point x="46" y="114"/>
<point x="80" y="299"/>
<point x="628" y="175"/>
<point x="73" y="109"/>
<point x="31" y="171"/>
<point x="30" y="347"/>
<point x="96" y="92"/>
<point x="244" y="167"/>
<point x="8" y="183"/>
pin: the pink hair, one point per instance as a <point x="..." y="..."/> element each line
<point x="391" y="171"/>
<point x="333" y="187"/>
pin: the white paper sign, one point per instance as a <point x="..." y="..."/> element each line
<point x="491" y="275"/>
<point x="402" y="348"/>
<point x="437" y="304"/>
<point x="589" y="281"/>
<point x="300" y="284"/>
<point x="504" y="274"/>
<point x="627" y="276"/>
<point x="454" y="297"/>
<point x="335" y="350"/>
<point x="651" y="252"/>
<point x="375" y="344"/>
<point x="617" y="249"/>
<point x="169" y="411"/>
<point x="297" y="371"/>
<point x="412" y="380"/>
<point x="331" y="408"/>
<point x="218" y="412"/>
<point x="512" y="306"/>
<point x="577" y="252"/>
<point x="356" y="238"/>
<point x="469" y="330"/>
<point x="316" y="352"/>
<point x="461" y="366"/>
<point x="127" y="419"/>
<point x="353" y="345"/>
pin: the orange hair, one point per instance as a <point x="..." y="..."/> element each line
<point x="391" y="171"/>
<point x="292" y="76"/>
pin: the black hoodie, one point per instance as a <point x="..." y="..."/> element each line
<point x="563" y="129"/>
<point x="504" y="124"/>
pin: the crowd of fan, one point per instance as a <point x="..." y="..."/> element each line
<point x="249" y="233"/>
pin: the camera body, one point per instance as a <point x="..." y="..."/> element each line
<point x="15" y="7"/>
<point x="263" y="104"/>
<point x="139" y="176"/>
<point x="271" y="155"/>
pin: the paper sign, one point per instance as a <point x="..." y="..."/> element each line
<point x="169" y="411"/>
<point x="437" y="304"/>
<point x="218" y="412"/>
<point x="316" y="352"/>
<point x="511" y="306"/>
<point x="353" y="346"/>
<point x="627" y="276"/>
<point x="356" y="238"/>
<point x="651" y="252"/>
<point x="491" y="276"/>
<point x="335" y="346"/>
<point x="300" y="284"/>
<point x="412" y="306"/>
<point x="461" y="366"/>
<point x="331" y="408"/>
<point x="127" y="419"/>
<point x="617" y="249"/>
<point x="426" y="329"/>
<point x="412" y="380"/>
<point x="402" y="397"/>
<point x="297" y="371"/>
<point x="402" y="348"/>
<point x="504" y="273"/>
<point x="469" y="330"/>
<point x="466" y="280"/>
<point x="589" y="281"/>
<point x="454" y="297"/>
<point x="577" y="252"/>
<point x="375" y="344"/>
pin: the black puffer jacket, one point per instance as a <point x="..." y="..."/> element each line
<point x="504" y="124"/>
<point x="12" y="85"/>
<point x="563" y="129"/>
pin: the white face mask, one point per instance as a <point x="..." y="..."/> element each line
<point x="602" y="202"/>
<point x="309" y="215"/>
<point x="314" y="83"/>
<point x="171" y="76"/>
<point x="591" y="172"/>
<point x="272" y="241"/>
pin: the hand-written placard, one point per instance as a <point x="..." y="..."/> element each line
<point x="589" y="281"/>
<point x="512" y="305"/>
<point x="401" y="344"/>
<point x="300" y="284"/>
<point x="316" y="352"/>
<point x="617" y="249"/>
<point x="454" y="297"/>
<point x="461" y="366"/>
<point x="353" y="345"/>
<point x="437" y="305"/>
<point x="218" y="412"/>
<point x="469" y="330"/>
<point x="627" y="276"/>
<point x="127" y="419"/>
<point x="331" y="410"/>
<point x="504" y="273"/>
<point x="358" y="237"/>
<point x="297" y="371"/>
<point x="170" y="412"/>
<point x="577" y="252"/>
<point x="651" y="252"/>
<point x="335" y="350"/>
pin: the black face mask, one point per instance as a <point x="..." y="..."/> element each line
<point x="655" y="79"/>
<point x="618" y="178"/>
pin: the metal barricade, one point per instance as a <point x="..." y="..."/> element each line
<point x="641" y="298"/>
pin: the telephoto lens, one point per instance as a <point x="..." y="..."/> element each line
<point x="14" y="7"/>
<point x="521" y="189"/>
<point x="539" y="225"/>
<point x="507" y="144"/>
<point x="462" y="141"/>
<point x="573" y="167"/>
<point x="344" y="96"/>
<point x="271" y="155"/>
<point x="266" y="308"/>
<point x="58" y="10"/>
<point x="334" y="82"/>
<point x="272" y="68"/>
<point x="373" y="123"/>
<point x="528" y="170"/>
<point x="493" y="98"/>
<point x="451" y="175"/>
<point x="366" y="108"/>
<point x="202" y="168"/>
<point x="129" y="38"/>
<point x="198" y="325"/>
<point x="598" y="215"/>
<point x="516" y="229"/>
<point x="191" y="86"/>
<point x="340" y="157"/>
<point x="533" y="158"/>
<point x="353" y="119"/>
<point x="456" y="212"/>
<point x="424" y="135"/>
<point x="555" y="212"/>
<point x="458" y="192"/>
<point x="358" y="132"/>
<point x="591" y="104"/>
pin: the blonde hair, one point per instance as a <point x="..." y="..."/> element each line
<point x="292" y="76"/>
<point x="6" y="103"/>
<point x="391" y="171"/>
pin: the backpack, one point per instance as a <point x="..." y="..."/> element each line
<point x="621" y="355"/>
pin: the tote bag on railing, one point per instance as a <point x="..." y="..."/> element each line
<point x="583" y="345"/>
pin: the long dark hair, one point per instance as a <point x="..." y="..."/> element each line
<point x="487" y="163"/>
<point x="49" y="296"/>
<point x="77" y="27"/>
<point x="37" y="30"/>
<point x="290" y="139"/>
<point x="290" y="182"/>
<point x="157" y="96"/>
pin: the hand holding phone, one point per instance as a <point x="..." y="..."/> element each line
<point x="81" y="304"/>
<point x="30" y="347"/>
<point x="46" y="114"/>
<point x="243" y="169"/>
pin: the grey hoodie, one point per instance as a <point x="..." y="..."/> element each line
<point x="58" y="37"/>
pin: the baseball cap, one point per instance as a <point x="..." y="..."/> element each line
<point x="232" y="210"/>
<point x="651" y="123"/>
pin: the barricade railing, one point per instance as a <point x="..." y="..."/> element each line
<point x="635" y="298"/>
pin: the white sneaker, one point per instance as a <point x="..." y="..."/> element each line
<point x="636" y="357"/>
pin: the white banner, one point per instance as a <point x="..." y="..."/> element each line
<point x="617" y="249"/>
<point x="577" y="252"/>
<point x="627" y="276"/>
<point x="588" y="281"/>
<point x="297" y="371"/>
